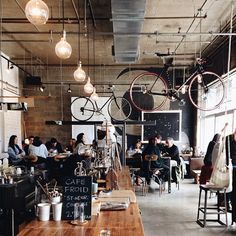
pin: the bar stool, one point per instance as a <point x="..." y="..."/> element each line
<point x="218" y="210"/>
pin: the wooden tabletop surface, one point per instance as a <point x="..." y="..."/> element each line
<point x="125" y="222"/>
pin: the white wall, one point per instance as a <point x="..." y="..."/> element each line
<point x="10" y="121"/>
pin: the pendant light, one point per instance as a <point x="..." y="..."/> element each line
<point x="94" y="95"/>
<point x="88" y="87"/>
<point x="79" y="74"/>
<point x="37" y="12"/>
<point x="63" y="48"/>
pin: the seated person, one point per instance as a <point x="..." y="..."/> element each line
<point x="37" y="148"/>
<point x="16" y="154"/>
<point x="53" y="146"/>
<point x="71" y="146"/>
<point x="159" y="144"/>
<point x="138" y="147"/>
<point x="150" y="150"/>
<point x="82" y="150"/>
<point x="27" y="143"/>
<point x="172" y="151"/>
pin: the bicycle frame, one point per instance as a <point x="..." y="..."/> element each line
<point x="97" y="109"/>
<point x="173" y="93"/>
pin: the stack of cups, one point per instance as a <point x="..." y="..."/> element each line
<point x="44" y="211"/>
<point x="56" y="210"/>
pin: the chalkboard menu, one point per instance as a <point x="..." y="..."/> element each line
<point x="168" y="124"/>
<point x="76" y="189"/>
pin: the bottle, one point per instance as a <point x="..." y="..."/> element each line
<point x="5" y="163"/>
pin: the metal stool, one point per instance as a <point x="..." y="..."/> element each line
<point x="218" y="210"/>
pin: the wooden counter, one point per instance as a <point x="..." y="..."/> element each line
<point x="125" y="222"/>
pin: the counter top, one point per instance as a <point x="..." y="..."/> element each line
<point x="125" y="222"/>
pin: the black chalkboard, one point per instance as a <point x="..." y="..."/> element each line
<point x="76" y="189"/>
<point x="168" y="124"/>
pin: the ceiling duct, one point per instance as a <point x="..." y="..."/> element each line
<point x="127" y="18"/>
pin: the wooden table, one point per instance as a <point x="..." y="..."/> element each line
<point x="126" y="222"/>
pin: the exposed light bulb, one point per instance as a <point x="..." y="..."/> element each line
<point x="63" y="48"/>
<point x="94" y="95"/>
<point x="79" y="74"/>
<point x="37" y="12"/>
<point x="88" y="87"/>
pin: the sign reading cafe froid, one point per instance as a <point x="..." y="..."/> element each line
<point x="76" y="189"/>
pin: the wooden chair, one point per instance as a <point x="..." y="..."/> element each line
<point x="155" y="171"/>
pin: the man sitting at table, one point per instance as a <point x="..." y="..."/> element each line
<point x="147" y="168"/>
<point x="172" y="151"/>
<point x="54" y="146"/>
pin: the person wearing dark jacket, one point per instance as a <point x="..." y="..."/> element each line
<point x="208" y="156"/>
<point x="54" y="146"/>
<point x="172" y="151"/>
<point x="152" y="150"/>
<point x="207" y="168"/>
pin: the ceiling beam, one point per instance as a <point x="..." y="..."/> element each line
<point x="210" y="33"/>
<point x="76" y="20"/>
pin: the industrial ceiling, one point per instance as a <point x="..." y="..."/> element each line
<point x="116" y="33"/>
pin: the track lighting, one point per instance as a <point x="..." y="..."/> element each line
<point x="9" y="66"/>
<point x="69" y="89"/>
<point x="42" y="88"/>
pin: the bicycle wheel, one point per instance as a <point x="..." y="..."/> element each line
<point x="206" y="91"/>
<point x="119" y="109"/>
<point x="82" y="108"/>
<point x="147" y="92"/>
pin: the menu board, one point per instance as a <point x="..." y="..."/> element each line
<point x="76" y="189"/>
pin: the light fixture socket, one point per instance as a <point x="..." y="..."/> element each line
<point x="69" y="89"/>
<point x="42" y="88"/>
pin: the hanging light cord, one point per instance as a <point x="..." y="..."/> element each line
<point x="93" y="56"/>
<point x="63" y="14"/>
<point x="78" y="36"/>
<point x="62" y="113"/>
<point x="88" y="48"/>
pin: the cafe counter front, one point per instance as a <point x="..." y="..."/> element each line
<point x="118" y="222"/>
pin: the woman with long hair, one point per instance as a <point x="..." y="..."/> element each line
<point x="16" y="154"/>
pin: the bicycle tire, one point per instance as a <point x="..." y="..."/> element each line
<point x="144" y="101"/>
<point x="80" y="103"/>
<point x="209" y="96"/>
<point x="119" y="109"/>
